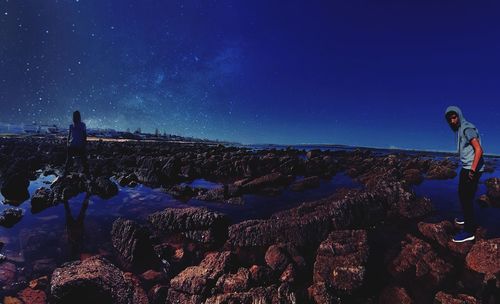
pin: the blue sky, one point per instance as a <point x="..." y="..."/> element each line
<point x="369" y="73"/>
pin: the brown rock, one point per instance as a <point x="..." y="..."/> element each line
<point x="236" y="282"/>
<point x="444" y="298"/>
<point x="261" y="275"/>
<point x="270" y="294"/>
<point x="484" y="258"/>
<point x="33" y="296"/>
<point x="200" y="279"/>
<point x="418" y="261"/>
<point x="394" y="294"/>
<point x="340" y="261"/>
<point x="94" y="280"/>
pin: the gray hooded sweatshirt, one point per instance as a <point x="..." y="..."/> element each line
<point x="466" y="131"/>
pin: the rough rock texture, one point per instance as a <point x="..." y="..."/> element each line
<point x="133" y="244"/>
<point x="340" y="261"/>
<point x="394" y="294"/>
<point x="234" y="282"/>
<point x="15" y="187"/>
<point x="444" y="298"/>
<point x="9" y="217"/>
<point x="198" y="224"/>
<point x="272" y="294"/>
<point x="493" y="191"/>
<point x="94" y="280"/>
<point x="484" y="258"/>
<point x="417" y="261"/>
<point x="104" y="188"/>
<point x="199" y="280"/>
<point x="442" y="170"/>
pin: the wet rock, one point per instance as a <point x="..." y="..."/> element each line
<point x="198" y="224"/>
<point x="271" y="180"/>
<point x="445" y="298"/>
<point x="261" y="275"/>
<point x="306" y="183"/>
<point x="8" y="273"/>
<point x="493" y="191"/>
<point x="11" y="216"/>
<point x="394" y="294"/>
<point x="199" y="280"/>
<point x="64" y="188"/>
<point x="104" y="188"/>
<point x="270" y="294"/>
<point x="139" y="295"/>
<point x="442" y="234"/>
<point x="129" y="180"/>
<point x="418" y="263"/>
<point x="484" y="259"/>
<point x="32" y="296"/>
<point x="94" y="280"/>
<point x="41" y="283"/>
<point x="158" y="294"/>
<point x="133" y="244"/>
<point x="319" y="293"/>
<point x="278" y="257"/>
<point x="42" y="199"/>
<point x="181" y="192"/>
<point x="237" y="282"/>
<point x="441" y="171"/>
<point x="413" y="176"/>
<point x="15" y="188"/>
<point x="340" y="261"/>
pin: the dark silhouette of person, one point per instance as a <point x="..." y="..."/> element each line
<point x="75" y="228"/>
<point x="77" y="143"/>
<point x="471" y="156"/>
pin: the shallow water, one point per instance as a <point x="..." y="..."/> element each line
<point x="42" y="241"/>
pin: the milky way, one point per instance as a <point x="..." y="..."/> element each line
<point x="346" y="72"/>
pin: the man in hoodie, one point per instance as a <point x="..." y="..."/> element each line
<point x="471" y="156"/>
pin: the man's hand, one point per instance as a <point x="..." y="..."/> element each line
<point x="472" y="174"/>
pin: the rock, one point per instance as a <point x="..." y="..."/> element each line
<point x="442" y="234"/>
<point x="237" y="282"/>
<point x="174" y="296"/>
<point x="94" y="280"/>
<point x="12" y="300"/>
<point x="270" y="294"/>
<point x="158" y="294"/>
<point x="484" y="258"/>
<point x="319" y="293"/>
<point x="133" y="244"/>
<point x="289" y="275"/>
<point x="181" y="192"/>
<point x="15" y="188"/>
<point x="413" y="176"/>
<point x="8" y="273"/>
<point x="11" y="216"/>
<point x="41" y="283"/>
<point x="104" y="188"/>
<point x="41" y="200"/>
<point x="340" y="261"/>
<point x="418" y="263"/>
<point x="271" y="180"/>
<point x="198" y="224"/>
<point x="493" y="191"/>
<point x="33" y="296"/>
<point x="261" y="275"/>
<point x="277" y="257"/>
<point x="444" y="298"/>
<point x="306" y="183"/>
<point x="139" y="295"/>
<point x="199" y="280"/>
<point x="439" y="171"/>
<point x="151" y="277"/>
<point x="394" y="294"/>
<point x="64" y="188"/>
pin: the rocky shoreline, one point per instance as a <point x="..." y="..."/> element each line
<point x="368" y="245"/>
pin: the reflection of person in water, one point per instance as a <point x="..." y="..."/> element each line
<point x="75" y="228"/>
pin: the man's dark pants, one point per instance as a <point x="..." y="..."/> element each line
<point x="466" y="191"/>
<point x="79" y="152"/>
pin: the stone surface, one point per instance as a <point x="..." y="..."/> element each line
<point x="340" y="261"/>
<point x="445" y="298"/>
<point x="94" y="280"/>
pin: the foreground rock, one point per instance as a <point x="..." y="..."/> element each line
<point x="198" y="224"/>
<point x="94" y="280"/>
<point x="9" y="217"/>
<point x="15" y="188"/>
<point x="133" y="245"/>
<point x="444" y="298"/>
<point x="197" y="282"/>
<point x="340" y="268"/>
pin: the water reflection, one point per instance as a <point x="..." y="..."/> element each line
<point x="75" y="228"/>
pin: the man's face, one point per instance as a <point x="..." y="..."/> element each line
<point x="453" y="121"/>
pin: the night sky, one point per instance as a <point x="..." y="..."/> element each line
<point x="368" y="73"/>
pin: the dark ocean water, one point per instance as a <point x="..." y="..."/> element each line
<point x="42" y="241"/>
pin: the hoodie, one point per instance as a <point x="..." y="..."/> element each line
<point x="464" y="148"/>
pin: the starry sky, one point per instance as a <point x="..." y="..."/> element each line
<point x="357" y="72"/>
